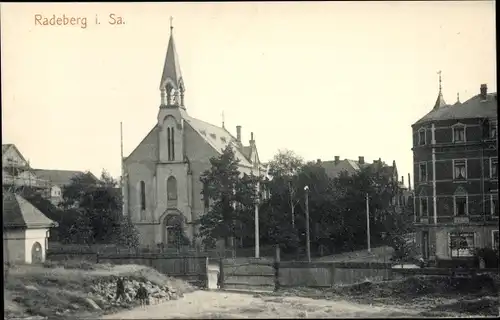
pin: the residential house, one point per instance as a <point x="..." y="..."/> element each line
<point x="455" y="160"/>
<point x="337" y="166"/>
<point x="18" y="174"/>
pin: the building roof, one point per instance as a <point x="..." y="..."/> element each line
<point x="20" y="213"/>
<point x="473" y="108"/>
<point x="7" y="146"/>
<point x="59" y="177"/>
<point x="352" y="166"/>
<point x="217" y="137"/>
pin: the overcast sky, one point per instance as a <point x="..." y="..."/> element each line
<point x="322" y="79"/>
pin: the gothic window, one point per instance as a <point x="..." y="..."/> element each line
<point x="459" y="169"/>
<point x="142" y="195"/>
<point x="170" y="143"/>
<point x="493" y="130"/>
<point x="424" y="208"/>
<point x="171" y="188"/>
<point x="206" y="200"/>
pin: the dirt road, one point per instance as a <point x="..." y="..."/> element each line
<point x="218" y="304"/>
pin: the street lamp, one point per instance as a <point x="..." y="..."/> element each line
<point x="308" y="244"/>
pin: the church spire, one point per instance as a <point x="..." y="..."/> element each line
<point x="440" y="100"/>
<point x="171" y="84"/>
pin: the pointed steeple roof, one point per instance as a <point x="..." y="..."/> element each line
<point x="440" y="100"/>
<point x="458" y="99"/>
<point x="171" y="68"/>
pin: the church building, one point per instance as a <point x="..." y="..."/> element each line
<point x="162" y="190"/>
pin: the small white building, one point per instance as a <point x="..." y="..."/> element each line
<point x="25" y="230"/>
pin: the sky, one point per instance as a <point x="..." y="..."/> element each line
<point x="322" y="79"/>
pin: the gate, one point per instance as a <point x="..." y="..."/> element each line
<point x="249" y="275"/>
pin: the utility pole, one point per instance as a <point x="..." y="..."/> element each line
<point x="368" y="223"/>
<point x="308" y="241"/>
<point x="257" y="244"/>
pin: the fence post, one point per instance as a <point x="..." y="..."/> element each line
<point x="97" y="257"/>
<point x="277" y="269"/>
<point x="220" y="276"/>
<point x="206" y="273"/>
<point x="332" y="274"/>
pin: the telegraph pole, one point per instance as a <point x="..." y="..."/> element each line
<point x="368" y="222"/>
<point x="308" y="240"/>
<point x="257" y="244"/>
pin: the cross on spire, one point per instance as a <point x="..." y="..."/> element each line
<point x="171" y="24"/>
<point x="222" y="118"/>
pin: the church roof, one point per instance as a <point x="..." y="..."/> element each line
<point x="20" y="213"/>
<point x="216" y="137"/>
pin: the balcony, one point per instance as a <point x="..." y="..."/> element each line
<point x="461" y="220"/>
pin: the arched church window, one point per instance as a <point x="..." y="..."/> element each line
<point x="170" y="143"/>
<point x="171" y="188"/>
<point x="142" y="194"/>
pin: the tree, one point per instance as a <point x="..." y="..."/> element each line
<point x="229" y="195"/>
<point x="99" y="215"/>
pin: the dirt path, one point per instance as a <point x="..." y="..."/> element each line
<point x="217" y="304"/>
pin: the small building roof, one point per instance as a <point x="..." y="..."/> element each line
<point x="20" y="213"/>
<point x="59" y="177"/>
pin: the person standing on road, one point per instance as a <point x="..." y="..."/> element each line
<point x="120" y="289"/>
<point x="142" y="295"/>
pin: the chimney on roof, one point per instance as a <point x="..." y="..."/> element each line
<point x="238" y="133"/>
<point x="252" y="141"/>
<point x="484" y="91"/>
<point x="361" y="160"/>
<point x="403" y="180"/>
<point x="337" y="160"/>
<point x="409" y="183"/>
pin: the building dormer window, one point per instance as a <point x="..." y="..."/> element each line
<point x="459" y="169"/>
<point x="421" y="137"/>
<point x="458" y="133"/>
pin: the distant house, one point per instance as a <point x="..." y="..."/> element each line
<point x="337" y="166"/>
<point x="25" y="230"/>
<point x="17" y="174"/>
<point x="57" y="180"/>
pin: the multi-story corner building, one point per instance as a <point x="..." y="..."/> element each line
<point x="455" y="160"/>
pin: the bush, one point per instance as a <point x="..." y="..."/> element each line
<point x="489" y="255"/>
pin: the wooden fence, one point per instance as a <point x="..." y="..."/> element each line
<point x="193" y="269"/>
<point x="328" y="274"/>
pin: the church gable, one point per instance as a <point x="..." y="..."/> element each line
<point x="147" y="149"/>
